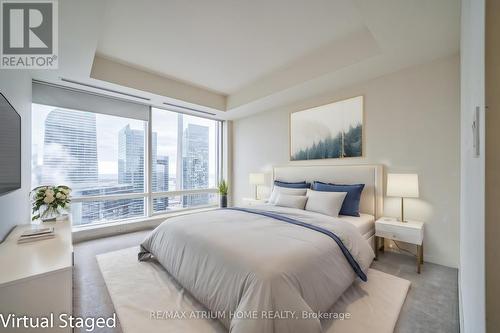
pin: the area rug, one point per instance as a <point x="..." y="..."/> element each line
<point x="147" y="299"/>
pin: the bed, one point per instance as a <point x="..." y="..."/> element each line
<point x="371" y="204"/>
<point x="365" y="224"/>
<point x="271" y="269"/>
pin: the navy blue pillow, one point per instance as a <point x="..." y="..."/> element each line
<point x="292" y="185"/>
<point x="350" y="206"/>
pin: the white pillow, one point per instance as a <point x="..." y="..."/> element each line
<point x="285" y="190"/>
<point x="292" y="201"/>
<point x="328" y="203"/>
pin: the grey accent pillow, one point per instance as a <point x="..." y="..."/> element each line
<point x="292" y="201"/>
<point x="285" y="190"/>
<point x="328" y="203"/>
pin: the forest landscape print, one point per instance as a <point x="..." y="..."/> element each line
<point x="329" y="131"/>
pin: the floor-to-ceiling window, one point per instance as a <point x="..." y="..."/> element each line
<point x="185" y="155"/>
<point x="122" y="165"/>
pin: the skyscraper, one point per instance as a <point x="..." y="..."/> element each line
<point x="131" y="158"/>
<point x="131" y="163"/>
<point x="195" y="163"/>
<point x="162" y="182"/>
<point x="70" y="148"/>
<point x="131" y="167"/>
<point x="70" y="157"/>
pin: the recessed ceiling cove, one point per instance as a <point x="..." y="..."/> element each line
<point x="247" y="56"/>
<point x="221" y="45"/>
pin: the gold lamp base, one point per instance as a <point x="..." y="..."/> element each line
<point x="402" y="211"/>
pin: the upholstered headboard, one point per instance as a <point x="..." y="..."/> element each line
<point x="370" y="175"/>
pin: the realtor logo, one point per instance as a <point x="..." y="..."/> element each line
<point x="29" y="34"/>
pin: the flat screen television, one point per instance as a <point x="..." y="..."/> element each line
<point x="10" y="147"/>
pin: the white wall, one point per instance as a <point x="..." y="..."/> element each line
<point x="15" y="206"/>
<point x="411" y="124"/>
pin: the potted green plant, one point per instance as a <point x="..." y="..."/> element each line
<point x="48" y="202"/>
<point x="222" y="189"/>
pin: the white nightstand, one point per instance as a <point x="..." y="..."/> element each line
<point x="253" y="202"/>
<point x="39" y="276"/>
<point x="409" y="232"/>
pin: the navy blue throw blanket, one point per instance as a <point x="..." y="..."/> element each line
<point x="354" y="264"/>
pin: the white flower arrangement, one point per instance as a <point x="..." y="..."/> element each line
<point x="49" y="199"/>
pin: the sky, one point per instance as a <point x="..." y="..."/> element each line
<point x="164" y="124"/>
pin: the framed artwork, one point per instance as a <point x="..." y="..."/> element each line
<point x="333" y="130"/>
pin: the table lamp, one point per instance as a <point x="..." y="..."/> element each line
<point x="257" y="179"/>
<point x="402" y="185"/>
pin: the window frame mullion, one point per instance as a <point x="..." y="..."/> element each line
<point x="149" y="165"/>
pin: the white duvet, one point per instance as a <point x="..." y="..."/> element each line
<point x="263" y="274"/>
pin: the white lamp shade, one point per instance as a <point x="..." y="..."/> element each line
<point x="403" y="185"/>
<point x="257" y="179"/>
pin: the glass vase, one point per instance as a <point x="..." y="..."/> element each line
<point x="49" y="214"/>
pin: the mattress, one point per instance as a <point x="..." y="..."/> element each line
<point x="365" y="223"/>
<point x="251" y="261"/>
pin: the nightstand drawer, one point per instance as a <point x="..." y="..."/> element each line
<point x="400" y="233"/>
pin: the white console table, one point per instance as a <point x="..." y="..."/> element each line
<point x="36" y="278"/>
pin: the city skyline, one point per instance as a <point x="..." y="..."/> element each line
<point x="164" y="123"/>
<point x="73" y="137"/>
